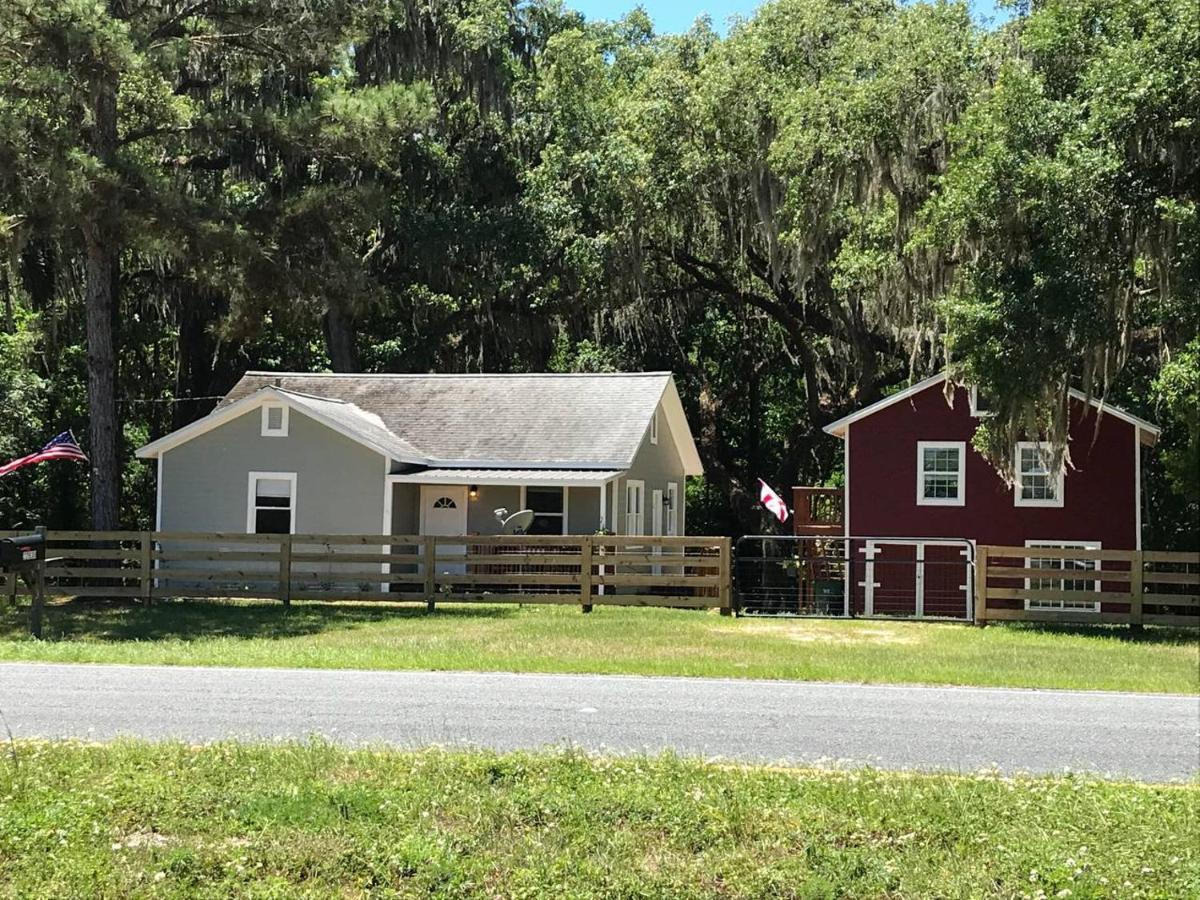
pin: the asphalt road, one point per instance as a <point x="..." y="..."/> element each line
<point x="1144" y="736"/>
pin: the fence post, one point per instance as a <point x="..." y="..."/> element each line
<point x="145" y="565"/>
<point x="285" y="570"/>
<point x="585" y="573"/>
<point x="725" y="592"/>
<point x="430" y="551"/>
<point x="39" y="587"/>
<point x="1137" y="577"/>
<point x="981" y="582"/>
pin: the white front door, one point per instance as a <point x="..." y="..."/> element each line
<point x="444" y="512"/>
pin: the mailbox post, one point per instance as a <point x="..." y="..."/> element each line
<point x="24" y="556"/>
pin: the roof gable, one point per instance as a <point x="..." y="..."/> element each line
<point x="344" y="418"/>
<point x="1148" y="432"/>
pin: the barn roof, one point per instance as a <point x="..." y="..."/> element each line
<point x="1148" y="432"/>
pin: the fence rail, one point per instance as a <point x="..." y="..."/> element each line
<point x="587" y="570"/>
<point x="1076" y="585"/>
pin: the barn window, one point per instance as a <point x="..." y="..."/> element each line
<point x="274" y="420"/>
<point x="548" y="506"/>
<point x="981" y="404"/>
<point x="271" y="503"/>
<point x="654" y="428"/>
<point x="1060" y="583"/>
<point x="941" y="473"/>
<point x="1038" y="482"/>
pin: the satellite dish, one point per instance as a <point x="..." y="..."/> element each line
<point x="517" y="523"/>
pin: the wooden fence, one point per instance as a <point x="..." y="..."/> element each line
<point x="584" y="570"/>
<point x="1115" y="587"/>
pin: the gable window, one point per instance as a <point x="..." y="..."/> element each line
<point x="549" y="513"/>
<point x="1038" y="484"/>
<point x="654" y="428"/>
<point x="274" y="420"/>
<point x="941" y="473"/>
<point x="1063" y="583"/>
<point x="635" y="514"/>
<point x="271" y="503"/>
<point x="981" y="404"/>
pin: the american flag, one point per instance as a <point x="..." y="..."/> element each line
<point x="62" y="447"/>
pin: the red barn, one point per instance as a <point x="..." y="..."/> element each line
<point x="912" y="476"/>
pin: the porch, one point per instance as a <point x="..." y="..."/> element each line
<point x="457" y="502"/>
<point x="818" y="511"/>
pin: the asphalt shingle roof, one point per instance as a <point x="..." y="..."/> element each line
<point x="535" y="421"/>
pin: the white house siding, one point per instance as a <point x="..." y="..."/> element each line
<point x="656" y="465"/>
<point x="481" y="512"/>
<point x="205" y="481"/>
<point x="583" y="510"/>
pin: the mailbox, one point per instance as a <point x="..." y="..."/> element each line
<point x="21" y="552"/>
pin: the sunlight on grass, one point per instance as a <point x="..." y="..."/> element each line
<point x="627" y="641"/>
<point x="314" y="820"/>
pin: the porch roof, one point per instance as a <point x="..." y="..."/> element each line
<point x="528" y="477"/>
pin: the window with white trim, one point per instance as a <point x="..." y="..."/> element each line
<point x="981" y="404"/>
<point x="654" y="428"/>
<point x="1038" y="484"/>
<point x="672" y="508"/>
<point x="635" y="513"/>
<point x="941" y="473"/>
<point x="549" y="514"/>
<point x="1062" y="583"/>
<point x="271" y="503"/>
<point x="274" y="420"/>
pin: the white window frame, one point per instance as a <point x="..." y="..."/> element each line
<point x="566" y="493"/>
<point x="961" y="447"/>
<point x="639" y="517"/>
<point x="252" y="494"/>
<point x="267" y="430"/>
<point x="1093" y="606"/>
<point x="976" y="412"/>
<point x="1019" y="487"/>
<point x="654" y="428"/>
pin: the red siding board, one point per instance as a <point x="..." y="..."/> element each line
<point x="1099" y="493"/>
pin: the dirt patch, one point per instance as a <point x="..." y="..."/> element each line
<point x="811" y="633"/>
<point x="142" y="839"/>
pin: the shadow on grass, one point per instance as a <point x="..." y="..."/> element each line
<point x="117" y="621"/>
<point x="1155" y="634"/>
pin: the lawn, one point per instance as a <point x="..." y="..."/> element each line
<point x="312" y="820"/>
<point x="609" y="640"/>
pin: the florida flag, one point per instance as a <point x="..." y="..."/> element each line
<point x="772" y="501"/>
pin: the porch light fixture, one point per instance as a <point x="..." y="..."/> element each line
<point x="473" y="492"/>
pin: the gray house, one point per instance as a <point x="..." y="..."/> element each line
<point x="430" y="454"/>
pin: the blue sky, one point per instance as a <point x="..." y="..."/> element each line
<point x="678" y="15"/>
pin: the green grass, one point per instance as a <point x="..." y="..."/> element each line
<point x="632" y="641"/>
<point x="133" y="819"/>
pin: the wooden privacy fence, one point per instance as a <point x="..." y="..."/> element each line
<point x="1116" y="587"/>
<point x="585" y="570"/>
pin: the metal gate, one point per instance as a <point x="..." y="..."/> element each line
<point x="916" y="578"/>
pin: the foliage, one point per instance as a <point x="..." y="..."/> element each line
<point x="315" y="820"/>
<point x="796" y="218"/>
<point x="608" y="640"/>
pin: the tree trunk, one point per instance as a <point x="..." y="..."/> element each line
<point x="339" y="339"/>
<point x="103" y="270"/>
